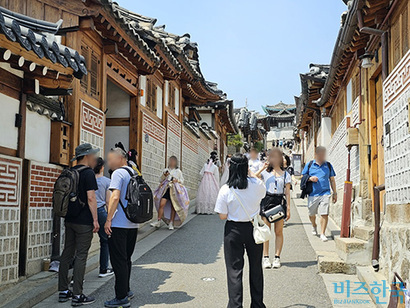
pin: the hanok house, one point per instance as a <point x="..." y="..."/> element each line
<point x="93" y="72"/>
<point x="366" y="95"/>
<point x="249" y="125"/>
<point x="37" y="71"/>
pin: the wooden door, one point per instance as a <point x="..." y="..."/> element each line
<point x="377" y="138"/>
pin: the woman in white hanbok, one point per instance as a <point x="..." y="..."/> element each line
<point x="208" y="188"/>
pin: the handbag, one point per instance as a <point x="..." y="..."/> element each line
<point x="397" y="296"/>
<point x="275" y="213"/>
<point x="261" y="232"/>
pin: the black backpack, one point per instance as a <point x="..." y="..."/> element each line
<point x="66" y="190"/>
<point x="140" y="199"/>
<point x="306" y="186"/>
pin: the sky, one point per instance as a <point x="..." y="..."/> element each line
<point x="255" y="50"/>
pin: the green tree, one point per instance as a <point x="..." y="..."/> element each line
<point x="258" y="145"/>
<point x="236" y="141"/>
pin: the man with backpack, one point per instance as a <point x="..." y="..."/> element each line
<point x="321" y="175"/>
<point x="122" y="233"/>
<point x="74" y="198"/>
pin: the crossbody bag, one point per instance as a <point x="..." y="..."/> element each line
<point x="261" y="232"/>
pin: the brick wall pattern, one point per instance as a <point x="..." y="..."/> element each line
<point x="92" y="126"/>
<point x="189" y="162"/>
<point x="10" y="190"/>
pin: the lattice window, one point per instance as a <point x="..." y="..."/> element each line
<point x="90" y="83"/>
<point x="395" y="41"/>
<point x="405" y="31"/>
<point x="171" y="97"/>
<point x="151" y="95"/>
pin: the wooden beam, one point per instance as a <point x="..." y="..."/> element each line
<point x="117" y="122"/>
<point x="110" y="47"/>
<point x="87" y="24"/>
<point x="64" y="82"/>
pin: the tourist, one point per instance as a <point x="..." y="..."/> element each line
<point x="171" y="197"/>
<point x="254" y="163"/>
<point x="208" y="188"/>
<point x="122" y="233"/>
<point x="239" y="201"/>
<point x="277" y="182"/>
<point x="225" y="174"/>
<point x="103" y="195"/>
<point x="322" y="175"/>
<point x="81" y="221"/>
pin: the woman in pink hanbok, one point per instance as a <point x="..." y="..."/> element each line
<point x="208" y="188"/>
<point x="171" y="197"/>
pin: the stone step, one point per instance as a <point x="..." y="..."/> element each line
<point x="330" y="263"/>
<point x="364" y="233"/>
<point x="353" y="250"/>
<point x="367" y="275"/>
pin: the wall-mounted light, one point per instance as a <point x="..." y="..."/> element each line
<point x="366" y="60"/>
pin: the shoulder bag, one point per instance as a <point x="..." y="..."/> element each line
<point x="261" y="232"/>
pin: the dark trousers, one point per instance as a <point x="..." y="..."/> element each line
<point x="122" y="244"/>
<point x="77" y="242"/>
<point x="238" y="237"/>
<point x="104" y="253"/>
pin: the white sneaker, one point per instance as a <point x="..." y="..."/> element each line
<point x="276" y="263"/>
<point x="314" y="231"/>
<point x="156" y="224"/>
<point x="108" y="272"/>
<point x="323" y="238"/>
<point x="171" y="226"/>
<point x="266" y="263"/>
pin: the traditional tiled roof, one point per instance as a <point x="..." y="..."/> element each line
<point x="269" y="109"/>
<point x="40" y="37"/>
<point x="46" y="106"/>
<point x="228" y="112"/>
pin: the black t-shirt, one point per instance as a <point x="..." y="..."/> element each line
<point x="81" y="214"/>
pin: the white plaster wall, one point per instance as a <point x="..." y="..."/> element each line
<point x="8" y="132"/>
<point x="176" y="101"/>
<point x="36" y="148"/>
<point x="326" y="131"/>
<point x="159" y="102"/>
<point x="207" y="118"/>
<point x="118" y="102"/>
<point x="143" y="86"/>
<point x="166" y="92"/>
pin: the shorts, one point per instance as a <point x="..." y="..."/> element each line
<point x="167" y="195"/>
<point x="318" y="205"/>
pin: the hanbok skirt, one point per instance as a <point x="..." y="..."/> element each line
<point x="207" y="194"/>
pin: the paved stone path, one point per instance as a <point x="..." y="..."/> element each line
<point x="185" y="268"/>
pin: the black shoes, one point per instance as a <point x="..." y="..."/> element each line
<point x="79" y="300"/>
<point x="65" y="296"/>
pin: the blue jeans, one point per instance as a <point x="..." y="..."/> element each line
<point x="104" y="253"/>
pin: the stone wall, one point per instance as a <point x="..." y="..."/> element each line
<point x="40" y="216"/>
<point x="190" y="165"/>
<point x="395" y="231"/>
<point x="10" y="191"/>
<point x="153" y="151"/>
<point x="173" y="137"/>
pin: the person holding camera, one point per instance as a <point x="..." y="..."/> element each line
<point x="238" y="202"/>
<point x="277" y="182"/>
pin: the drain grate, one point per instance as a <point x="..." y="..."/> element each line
<point x="208" y="279"/>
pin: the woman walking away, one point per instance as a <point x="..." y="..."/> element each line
<point x="225" y="174"/>
<point x="208" y="188"/>
<point x="277" y="184"/>
<point x="238" y="201"/>
<point x="102" y="195"/>
<point x="171" y="197"/>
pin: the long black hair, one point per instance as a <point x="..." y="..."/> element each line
<point x="238" y="171"/>
<point x="99" y="165"/>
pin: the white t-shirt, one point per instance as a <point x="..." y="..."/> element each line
<point x="174" y="174"/>
<point x="255" y="165"/>
<point x="251" y="197"/>
<point x="275" y="184"/>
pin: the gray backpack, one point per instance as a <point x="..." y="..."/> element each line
<point x="66" y="190"/>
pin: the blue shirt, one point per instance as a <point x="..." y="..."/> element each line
<point x="119" y="181"/>
<point x="322" y="186"/>
<point x="100" y="194"/>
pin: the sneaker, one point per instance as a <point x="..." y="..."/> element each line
<point x="266" y="263"/>
<point x="64" y="296"/>
<point x="79" y="300"/>
<point x="156" y="224"/>
<point x="107" y="272"/>
<point x="130" y="295"/>
<point x="114" y="303"/>
<point x="323" y="238"/>
<point x="276" y="262"/>
<point x="171" y="226"/>
<point x="314" y="231"/>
